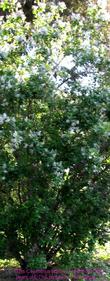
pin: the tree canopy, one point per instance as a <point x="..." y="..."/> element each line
<point x="27" y="7"/>
<point x="54" y="118"/>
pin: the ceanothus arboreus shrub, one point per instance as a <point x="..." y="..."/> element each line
<point x="54" y="177"/>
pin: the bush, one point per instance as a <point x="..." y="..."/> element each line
<point x="54" y="173"/>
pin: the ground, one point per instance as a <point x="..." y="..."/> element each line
<point x="101" y="260"/>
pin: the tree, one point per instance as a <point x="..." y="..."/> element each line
<point x="54" y="94"/>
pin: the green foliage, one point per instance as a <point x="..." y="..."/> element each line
<point x="54" y="173"/>
<point x="76" y="260"/>
<point x="102" y="252"/>
<point x="38" y="262"/>
<point x="8" y="263"/>
<point x="7" y="6"/>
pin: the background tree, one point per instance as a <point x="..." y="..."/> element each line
<point x="54" y="178"/>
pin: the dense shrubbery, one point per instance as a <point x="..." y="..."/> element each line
<point x="54" y="195"/>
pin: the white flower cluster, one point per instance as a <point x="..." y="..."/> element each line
<point x="19" y="14"/>
<point x="4" y="50"/>
<point x="31" y="52"/>
<point x="53" y="153"/>
<point x="60" y="23"/>
<point x="88" y="82"/>
<point x="58" y="169"/>
<point x="74" y="126"/>
<point x="34" y="134"/>
<point x="62" y="5"/>
<point x="43" y="31"/>
<point x="34" y="69"/>
<point x="4" y="118"/>
<point x="4" y="167"/>
<point x="68" y="62"/>
<point x="22" y="76"/>
<point x="67" y="171"/>
<point x="20" y="38"/>
<point x="75" y="16"/>
<point x="42" y="5"/>
<point x="16" y="139"/>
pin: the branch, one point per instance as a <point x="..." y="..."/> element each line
<point x="65" y="80"/>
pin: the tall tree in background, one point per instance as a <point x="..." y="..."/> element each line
<point x="54" y="96"/>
